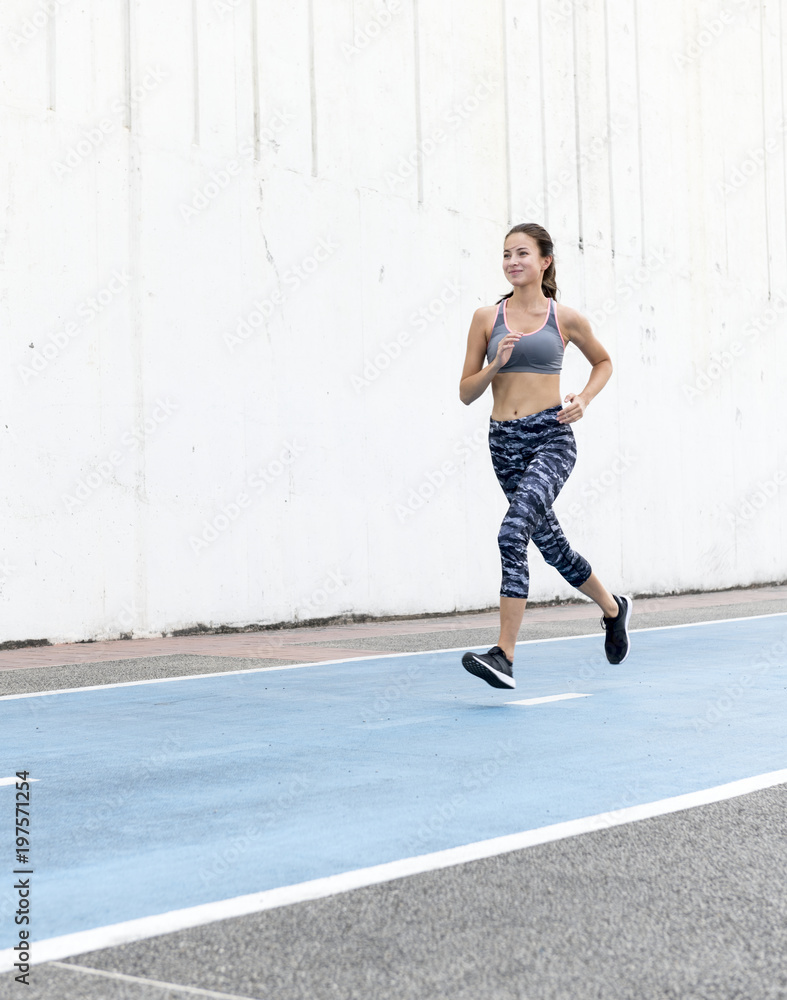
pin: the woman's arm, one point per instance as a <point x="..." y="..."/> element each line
<point x="577" y="329"/>
<point x="475" y="379"/>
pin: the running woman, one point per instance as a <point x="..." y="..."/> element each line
<point x="531" y="442"/>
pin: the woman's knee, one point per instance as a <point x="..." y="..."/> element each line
<point x="507" y="540"/>
<point x="570" y="564"/>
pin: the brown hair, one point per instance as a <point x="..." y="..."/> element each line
<point x="546" y="248"/>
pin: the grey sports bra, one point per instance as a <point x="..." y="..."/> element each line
<point x="540" y="352"/>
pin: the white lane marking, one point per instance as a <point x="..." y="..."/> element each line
<point x="198" y="677"/>
<point x="349" y="659"/>
<point x="191" y="990"/>
<point x="13" y="781"/>
<point x="549" y="697"/>
<point x="196" y="916"/>
<point x="412" y="721"/>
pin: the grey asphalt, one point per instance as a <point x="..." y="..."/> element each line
<point x="687" y="906"/>
<point x="140" y="668"/>
<point x="185" y="664"/>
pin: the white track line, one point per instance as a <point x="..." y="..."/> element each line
<point x="191" y="990"/>
<point x="390" y="724"/>
<point x="197" y="916"/>
<point x="549" y="697"/>
<point x="13" y="781"/>
<point x="349" y="659"/>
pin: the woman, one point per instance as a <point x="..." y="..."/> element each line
<point x="530" y="438"/>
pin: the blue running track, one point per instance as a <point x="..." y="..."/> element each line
<point x="156" y="796"/>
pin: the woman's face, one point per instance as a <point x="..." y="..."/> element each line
<point x="522" y="260"/>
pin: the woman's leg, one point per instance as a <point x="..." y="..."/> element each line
<point x="545" y="471"/>
<point x="511" y="611"/>
<point x="597" y="592"/>
<point x="573" y="567"/>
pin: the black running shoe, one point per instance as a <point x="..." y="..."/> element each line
<point x="617" y="645"/>
<point x="494" y="667"/>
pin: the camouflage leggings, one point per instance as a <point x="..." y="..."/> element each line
<point x="532" y="458"/>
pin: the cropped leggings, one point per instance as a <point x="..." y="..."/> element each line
<point x="532" y="458"/>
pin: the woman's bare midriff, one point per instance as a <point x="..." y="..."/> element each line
<point x="518" y="394"/>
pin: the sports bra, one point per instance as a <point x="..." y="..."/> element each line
<point x="540" y="352"/>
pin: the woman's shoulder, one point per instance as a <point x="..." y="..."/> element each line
<point x="566" y="312"/>
<point x="486" y="311"/>
<point x="570" y="319"/>
<point x="484" y="316"/>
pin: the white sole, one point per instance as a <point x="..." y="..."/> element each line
<point x="483" y="670"/>
<point x="629" y="609"/>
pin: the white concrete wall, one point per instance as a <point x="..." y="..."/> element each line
<point x="225" y="289"/>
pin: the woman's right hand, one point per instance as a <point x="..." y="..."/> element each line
<point x="506" y="346"/>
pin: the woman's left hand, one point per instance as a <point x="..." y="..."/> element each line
<point x="573" y="409"/>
